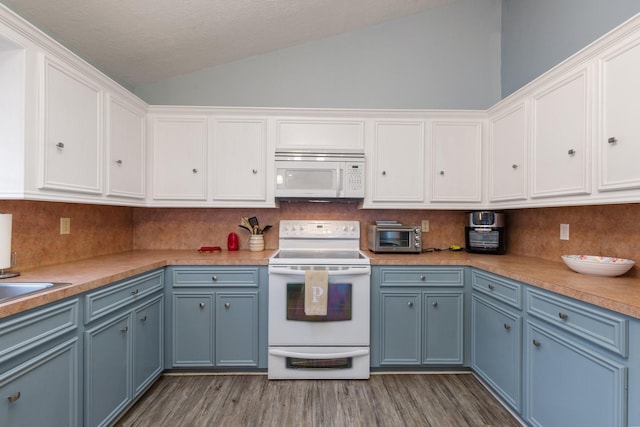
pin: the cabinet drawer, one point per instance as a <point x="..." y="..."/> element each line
<point x="199" y="277"/>
<point x="113" y="297"/>
<point x="499" y="288"/>
<point x="422" y="276"/>
<point x="27" y="331"/>
<point x="594" y="325"/>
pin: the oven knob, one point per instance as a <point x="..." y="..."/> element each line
<point x="418" y="238"/>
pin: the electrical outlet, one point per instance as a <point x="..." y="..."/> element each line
<point x="564" y="231"/>
<point x="425" y="225"/>
<point x="65" y="225"/>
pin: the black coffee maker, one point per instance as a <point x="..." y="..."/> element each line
<point x="485" y="232"/>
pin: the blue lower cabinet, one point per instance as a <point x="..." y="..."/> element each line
<point x="400" y="328"/>
<point x="569" y="384"/>
<point x="148" y="343"/>
<point x="496" y="343"/>
<point x="236" y="329"/>
<point x="443" y="331"/>
<point x="42" y="391"/>
<point x="192" y="329"/>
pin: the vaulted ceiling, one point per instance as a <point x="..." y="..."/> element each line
<point x="141" y="41"/>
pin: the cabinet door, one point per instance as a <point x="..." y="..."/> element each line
<point x="107" y="370"/>
<point x="456" y="162"/>
<point x="398" y="162"/>
<point x="619" y="137"/>
<point x="236" y="329"/>
<point x="125" y="149"/>
<point x="240" y="160"/>
<point x="71" y="133"/>
<point x="193" y="328"/>
<point x="496" y="342"/>
<point x="400" y="330"/>
<point x="148" y="332"/>
<point x="561" y="138"/>
<point x="43" y="391"/>
<point x="444" y="328"/>
<point x="179" y="146"/>
<point x="508" y="132"/>
<point x="570" y="385"/>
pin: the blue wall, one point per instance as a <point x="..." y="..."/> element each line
<point x="446" y="57"/>
<point x="539" y="34"/>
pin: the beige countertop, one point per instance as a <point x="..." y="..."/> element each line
<point x="621" y="294"/>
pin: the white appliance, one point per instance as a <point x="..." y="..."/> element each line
<point x="319" y="175"/>
<point x="335" y="346"/>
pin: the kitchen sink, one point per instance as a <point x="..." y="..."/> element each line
<point x="14" y="289"/>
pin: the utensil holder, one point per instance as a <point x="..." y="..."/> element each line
<point x="256" y="242"/>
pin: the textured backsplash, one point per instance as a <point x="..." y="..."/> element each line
<point x="611" y="230"/>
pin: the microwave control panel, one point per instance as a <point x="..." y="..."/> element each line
<point x="354" y="182"/>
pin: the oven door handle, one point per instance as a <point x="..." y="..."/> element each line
<point x="286" y="271"/>
<point x="339" y="355"/>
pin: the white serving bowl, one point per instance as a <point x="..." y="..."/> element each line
<point x="598" y="265"/>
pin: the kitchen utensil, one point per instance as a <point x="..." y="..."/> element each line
<point x="209" y="249"/>
<point x="265" y="229"/>
<point x="253" y="221"/>
<point x="242" y="226"/>
<point x="245" y="223"/>
<point x="598" y="265"/>
<point x="232" y="242"/>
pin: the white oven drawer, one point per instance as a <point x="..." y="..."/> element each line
<point x="318" y="363"/>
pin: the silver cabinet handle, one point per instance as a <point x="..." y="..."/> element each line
<point x="491" y="287"/>
<point x="195" y="170"/>
<point x="119" y="162"/>
<point x="410" y="304"/>
<point x="255" y="171"/>
<point x="60" y="145"/>
<point x="14" y="397"/>
<point x="143" y="318"/>
<point x="201" y="305"/>
<point x="612" y="140"/>
<point x="423" y="277"/>
<point x="124" y="330"/>
<point x="214" y="278"/>
<point x="571" y="152"/>
<point x="563" y="316"/>
<point x="441" y="172"/>
<point x="384" y="172"/>
<point x="514" y="166"/>
<point x="434" y="304"/>
<point x="507" y="327"/>
<point x="536" y="343"/>
<point x="135" y="291"/>
<point x="227" y="305"/>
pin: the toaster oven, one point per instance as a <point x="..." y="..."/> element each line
<point x="395" y="238"/>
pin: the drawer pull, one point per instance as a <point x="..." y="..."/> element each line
<point x="14" y="397"/>
<point x="227" y="305"/>
<point x="491" y="287"/>
<point x="124" y="330"/>
<point x="214" y="278"/>
<point x="435" y="303"/>
<point x="536" y="343"/>
<point x="135" y="291"/>
<point x="410" y="304"/>
<point x="201" y="305"/>
<point x="423" y="277"/>
<point x="563" y="316"/>
<point x="143" y="318"/>
<point x="507" y="327"/>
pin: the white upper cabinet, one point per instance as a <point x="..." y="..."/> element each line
<point x="396" y="163"/>
<point x="125" y="140"/>
<point x="456" y="161"/>
<point x="179" y="157"/>
<point x="71" y="133"/>
<point x="507" y="145"/>
<point x="240" y="169"/>
<point x="618" y="142"/>
<point x="561" y="121"/>
<point x="320" y="134"/>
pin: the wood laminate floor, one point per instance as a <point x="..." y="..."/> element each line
<point x="384" y="400"/>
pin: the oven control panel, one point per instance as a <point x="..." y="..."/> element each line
<point x="319" y="229"/>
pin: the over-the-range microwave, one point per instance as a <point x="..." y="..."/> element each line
<point x="319" y="175"/>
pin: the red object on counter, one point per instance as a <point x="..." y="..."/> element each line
<point x="209" y="249"/>
<point x="232" y="242"/>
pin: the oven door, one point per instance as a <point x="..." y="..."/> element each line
<point x="318" y="363"/>
<point x="348" y="307"/>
